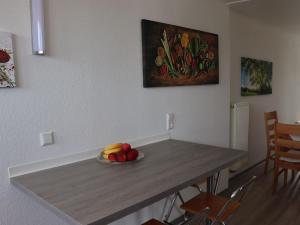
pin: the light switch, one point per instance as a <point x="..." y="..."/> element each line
<point x="46" y="138"/>
<point x="170" y="119"/>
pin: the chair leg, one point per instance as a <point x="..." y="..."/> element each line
<point x="276" y="172"/>
<point x="285" y="177"/>
<point x="267" y="162"/>
<point x="209" y="222"/>
<point x="293" y="175"/>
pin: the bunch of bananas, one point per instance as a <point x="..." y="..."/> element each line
<point x="111" y="148"/>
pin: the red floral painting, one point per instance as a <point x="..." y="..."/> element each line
<point x="176" y="56"/>
<point x="7" y="67"/>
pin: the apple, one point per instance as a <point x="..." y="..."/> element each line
<point x="125" y="147"/>
<point x="136" y="152"/>
<point x="112" y="157"/>
<point x="132" y="155"/>
<point x="121" y="157"/>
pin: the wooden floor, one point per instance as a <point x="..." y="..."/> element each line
<point x="260" y="207"/>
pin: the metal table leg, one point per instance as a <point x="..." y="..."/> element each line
<point x="210" y="184"/>
<point x="211" y="187"/>
<point x="167" y="216"/>
<point x="173" y="201"/>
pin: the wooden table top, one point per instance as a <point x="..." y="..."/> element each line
<point x="92" y="193"/>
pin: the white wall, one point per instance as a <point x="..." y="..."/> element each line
<point x="252" y="38"/>
<point x="88" y="89"/>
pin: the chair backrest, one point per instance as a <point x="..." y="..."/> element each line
<point x="236" y="196"/>
<point x="270" y="120"/>
<point x="283" y="140"/>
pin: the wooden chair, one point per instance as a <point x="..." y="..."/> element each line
<point x="220" y="208"/>
<point x="197" y="186"/>
<point x="153" y="222"/>
<point x="287" y="151"/>
<point x="270" y="120"/>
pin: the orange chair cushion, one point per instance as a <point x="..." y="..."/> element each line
<point x="215" y="204"/>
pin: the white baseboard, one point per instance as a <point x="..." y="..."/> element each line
<point x="19" y="170"/>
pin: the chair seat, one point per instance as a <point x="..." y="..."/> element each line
<point x="291" y="160"/>
<point x="215" y="204"/>
<point x="153" y="222"/>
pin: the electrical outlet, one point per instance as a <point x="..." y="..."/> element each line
<point x="170" y="119"/>
<point x="46" y="138"/>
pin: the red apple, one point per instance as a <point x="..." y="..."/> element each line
<point x="136" y="152"/>
<point x="121" y="157"/>
<point x="125" y="147"/>
<point x="112" y="157"/>
<point x="132" y="155"/>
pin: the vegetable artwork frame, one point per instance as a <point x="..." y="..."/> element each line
<point x="178" y="56"/>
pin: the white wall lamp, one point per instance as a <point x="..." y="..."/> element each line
<point x="37" y="27"/>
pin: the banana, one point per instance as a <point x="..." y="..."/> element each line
<point x="112" y="150"/>
<point x="112" y="146"/>
<point x="104" y="156"/>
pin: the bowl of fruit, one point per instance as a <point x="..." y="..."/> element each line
<point x="119" y="153"/>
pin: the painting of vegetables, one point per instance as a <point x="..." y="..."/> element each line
<point x="176" y="56"/>
<point x="7" y="67"/>
<point x="256" y="77"/>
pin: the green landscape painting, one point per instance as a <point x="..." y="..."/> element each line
<point x="256" y="77"/>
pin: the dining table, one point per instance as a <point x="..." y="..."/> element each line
<point x="89" y="192"/>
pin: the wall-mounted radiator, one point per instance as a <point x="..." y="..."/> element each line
<point x="239" y="131"/>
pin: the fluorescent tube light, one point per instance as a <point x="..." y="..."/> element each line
<point x="37" y="27"/>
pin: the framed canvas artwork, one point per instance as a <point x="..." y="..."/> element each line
<point x="7" y="66"/>
<point x="176" y="56"/>
<point x="256" y="77"/>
